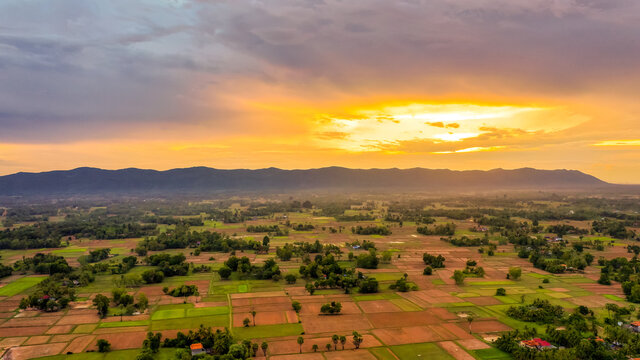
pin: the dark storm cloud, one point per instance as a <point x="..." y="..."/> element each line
<point x="101" y="69"/>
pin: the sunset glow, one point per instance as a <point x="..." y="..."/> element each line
<point x="303" y="85"/>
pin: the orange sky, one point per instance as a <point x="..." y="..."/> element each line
<point x="433" y="84"/>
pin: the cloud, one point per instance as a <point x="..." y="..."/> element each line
<point x="440" y="124"/>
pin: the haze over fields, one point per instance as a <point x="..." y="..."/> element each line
<point x="547" y="84"/>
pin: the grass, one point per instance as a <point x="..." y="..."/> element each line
<point x="613" y="297"/>
<point x="491" y="354"/>
<point x="163" y="354"/>
<point x="124" y="323"/>
<point x="190" y="322"/>
<point x="69" y="250"/>
<point x="20" y="285"/>
<point x="186" y="312"/>
<point x="267" y="331"/>
<point x="379" y="296"/>
<point x="84" y="328"/>
<point x="420" y="351"/>
<point x="382" y="353"/>
<point x="406" y="305"/>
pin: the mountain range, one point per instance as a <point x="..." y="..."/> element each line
<point x="87" y="180"/>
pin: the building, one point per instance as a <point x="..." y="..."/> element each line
<point x="197" y="349"/>
<point x="536" y="344"/>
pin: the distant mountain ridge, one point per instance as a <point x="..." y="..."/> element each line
<point x="87" y="180"/>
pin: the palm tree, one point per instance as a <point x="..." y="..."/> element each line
<point x="335" y="339"/>
<point x="343" y="340"/>
<point x="470" y="320"/>
<point x="314" y="347"/>
<point x="328" y="346"/>
<point x="300" y="342"/>
<point x="264" y="347"/>
<point x="253" y="314"/>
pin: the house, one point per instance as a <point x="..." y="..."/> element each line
<point x="197" y="349"/>
<point x="536" y="344"/>
<point x="634" y="326"/>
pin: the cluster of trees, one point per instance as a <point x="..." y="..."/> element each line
<point x="43" y="264"/>
<point x="302" y="227"/>
<point x="562" y="229"/>
<point x="434" y="261"/>
<point x="181" y="238"/>
<point x="467" y="241"/>
<point x="472" y="269"/>
<point x="558" y="259"/>
<point x="371" y="230"/>
<point x="624" y="271"/>
<point x="49" y="234"/>
<point x="274" y="230"/>
<point x="364" y="244"/>
<point x="540" y="311"/>
<point x="95" y="256"/>
<point x="124" y="301"/>
<point x="299" y="248"/>
<point x="403" y="285"/>
<point x="221" y="344"/>
<point x="613" y="228"/>
<point x="113" y="267"/>
<point x="368" y="260"/>
<point x="52" y="294"/>
<point x="332" y="308"/>
<point x="448" y="229"/>
<point x="268" y="270"/>
<point x="182" y="291"/>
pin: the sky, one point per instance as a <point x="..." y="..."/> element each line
<point x="162" y="84"/>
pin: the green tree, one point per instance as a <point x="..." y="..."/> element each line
<point x="246" y="322"/>
<point x="328" y="346"/>
<point x="104" y="346"/>
<point x="357" y="339"/>
<point x="264" y="347"/>
<point x="224" y="272"/>
<point x="515" y="273"/>
<point x="335" y="338"/>
<point x="143" y="302"/>
<point x="253" y="315"/>
<point x="300" y="342"/>
<point x="314" y="347"/>
<point x="458" y="277"/>
<point x="343" y="340"/>
<point x="101" y="302"/>
<point x="152" y="342"/>
<point x="470" y="319"/>
<point x="296" y="306"/>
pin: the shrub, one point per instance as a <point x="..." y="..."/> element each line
<point x="501" y="292"/>
<point x="427" y="271"/>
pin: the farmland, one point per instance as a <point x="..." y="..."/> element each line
<point x="407" y="314"/>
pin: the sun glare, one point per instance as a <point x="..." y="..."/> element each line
<point x="371" y="129"/>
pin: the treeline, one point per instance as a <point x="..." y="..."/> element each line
<point x="371" y="230"/>
<point x="465" y="241"/>
<point x="448" y="229"/>
<point x="181" y="238"/>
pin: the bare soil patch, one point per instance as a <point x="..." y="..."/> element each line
<point x="488" y="326"/>
<point x="473" y="344"/>
<point x="378" y="306"/>
<point x="409" y="335"/>
<point x="349" y="355"/>
<point x="60" y="329"/>
<point x="314" y="324"/>
<point x="32" y="321"/>
<point x="36" y="351"/>
<point x="36" y="340"/>
<point x="403" y="319"/>
<point x="23" y="331"/>
<point x="79" y="344"/>
<point x="14" y="341"/>
<point x="456" y="351"/>
<point x="78" y="319"/>
<point x="119" y="341"/>
<point x="484" y="300"/>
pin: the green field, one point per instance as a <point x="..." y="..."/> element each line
<point x="267" y="331"/>
<point x="429" y="351"/>
<point x="20" y="285"/>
